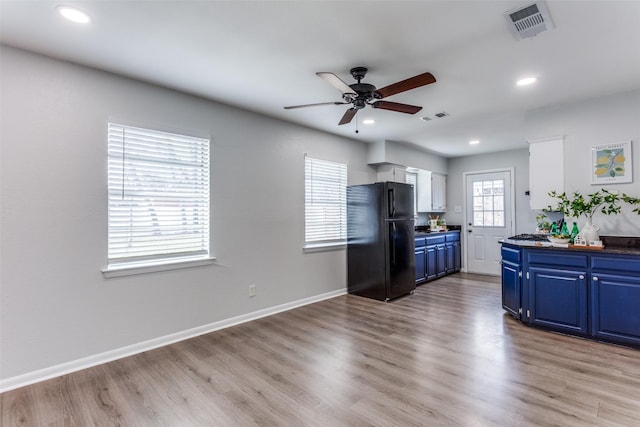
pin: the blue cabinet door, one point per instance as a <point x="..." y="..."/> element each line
<point x="441" y="260"/>
<point x="449" y="262"/>
<point x="615" y="307"/>
<point x="558" y="299"/>
<point x="431" y="261"/>
<point x="457" y="256"/>
<point x="420" y="265"/>
<point x="511" y="285"/>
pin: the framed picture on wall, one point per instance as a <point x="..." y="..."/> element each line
<point x="611" y="163"/>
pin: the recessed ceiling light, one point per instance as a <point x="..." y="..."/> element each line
<point x="474" y="142"/>
<point x="526" y="81"/>
<point x="73" y="14"/>
<point x="368" y="121"/>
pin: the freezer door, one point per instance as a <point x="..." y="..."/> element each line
<point x="399" y="200"/>
<point x="401" y="262"/>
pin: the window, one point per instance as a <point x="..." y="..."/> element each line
<point x="158" y="196"/>
<point x="488" y="203"/>
<point x="325" y="202"/>
<point x="412" y="178"/>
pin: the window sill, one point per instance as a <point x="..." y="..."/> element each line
<point x="321" y="247"/>
<point x="143" y="268"/>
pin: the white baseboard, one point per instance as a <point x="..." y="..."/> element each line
<point x="18" y="381"/>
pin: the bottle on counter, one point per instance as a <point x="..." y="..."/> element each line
<point x="565" y="229"/>
<point x="554" y="229"/>
<point x="574" y="231"/>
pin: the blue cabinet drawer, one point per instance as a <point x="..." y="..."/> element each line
<point x="616" y="264"/>
<point x="511" y="254"/>
<point x="434" y="240"/>
<point x="420" y="242"/>
<point x="452" y="237"/>
<point x="551" y="257"/>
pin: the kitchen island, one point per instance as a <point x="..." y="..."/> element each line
<point x="592" y="293"/>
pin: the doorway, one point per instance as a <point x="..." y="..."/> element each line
<point x="489" y="212"/>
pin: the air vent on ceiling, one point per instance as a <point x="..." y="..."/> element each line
<point x="529" y="21"/>
<point x="426" y="118"/>
<point x="441" y="115"/>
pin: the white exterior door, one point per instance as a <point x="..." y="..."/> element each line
<point x="489" y="218"/>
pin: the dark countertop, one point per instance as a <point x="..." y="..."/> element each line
<point x="612" y="245"/>
<point x="430" y="233"/>
<point x="423" y="230"/>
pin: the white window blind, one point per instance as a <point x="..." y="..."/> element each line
<point x="325" y="201"/>
<point x="158" y="196"/>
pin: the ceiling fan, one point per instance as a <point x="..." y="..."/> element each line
<point x="362" y="94"/>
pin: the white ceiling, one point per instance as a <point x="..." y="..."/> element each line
<point x="263" y="55"/>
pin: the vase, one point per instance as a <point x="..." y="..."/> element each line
<point x="590" y="231"/>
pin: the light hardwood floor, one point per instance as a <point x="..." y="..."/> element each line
<point x="445" y="356"/>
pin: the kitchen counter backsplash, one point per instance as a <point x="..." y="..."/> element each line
<point x="621" y="241"/>
<point x="426" y="229"/>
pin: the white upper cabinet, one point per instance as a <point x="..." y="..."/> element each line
<point x="392" y="173"/>
<point x="438" y="192"/>
<point x="546" y="171"/>
<point x="424" y="191"/>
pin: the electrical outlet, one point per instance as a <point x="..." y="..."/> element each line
<point x="252" y="290"/>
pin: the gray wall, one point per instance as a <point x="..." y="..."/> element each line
<point x="56" y="306"/>
<point x="399" y="153"/>
<point x="608" y="119"/>
<point x="604" y="120"/>
<point x="518" y="159"/>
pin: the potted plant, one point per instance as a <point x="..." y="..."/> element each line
<point x="604" y="201"/>
<point x="543" y="225"/>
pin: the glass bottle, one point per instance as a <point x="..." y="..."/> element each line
<point x="565" y="229"/>
<point x="574" y="232"/>
<point x="554" y="229"/>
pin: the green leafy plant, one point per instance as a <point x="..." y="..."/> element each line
<point x="604" y="201"/>
<point x="543" y="223"/>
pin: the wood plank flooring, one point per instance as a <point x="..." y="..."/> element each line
<point x="445" y="356"/>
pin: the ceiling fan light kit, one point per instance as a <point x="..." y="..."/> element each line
<point x="360" y="94"/>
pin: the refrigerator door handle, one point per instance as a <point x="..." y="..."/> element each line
<point x="393" y="243"/>
<point x="391" y="201"/>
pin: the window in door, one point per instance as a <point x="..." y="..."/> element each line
<point x="488" y="203"/>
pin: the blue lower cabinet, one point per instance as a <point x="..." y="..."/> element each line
<point x="441" y="260"/>
<point x="511" y="286"/>
<point x="615" y="307"/>
<point x="431" y="267"/>
<point x="442" y="255"/>
<point x="420" y="265"/>
<point x="592" y="295"/>
<point x="558" y="299"/>
<point x="512" y="280"/>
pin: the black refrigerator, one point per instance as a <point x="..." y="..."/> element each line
<point x="380" y="240"/>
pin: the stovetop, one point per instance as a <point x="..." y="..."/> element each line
<point x="530" y="237"/>
<point x="529" y="240"/>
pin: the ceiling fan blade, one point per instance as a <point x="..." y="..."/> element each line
<point x="348" y="116"/>
<point x="336" y="82"/>
<point x="408" y="84"/>
<point x="394" y="106"/>
<point x="315" y="105"/>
